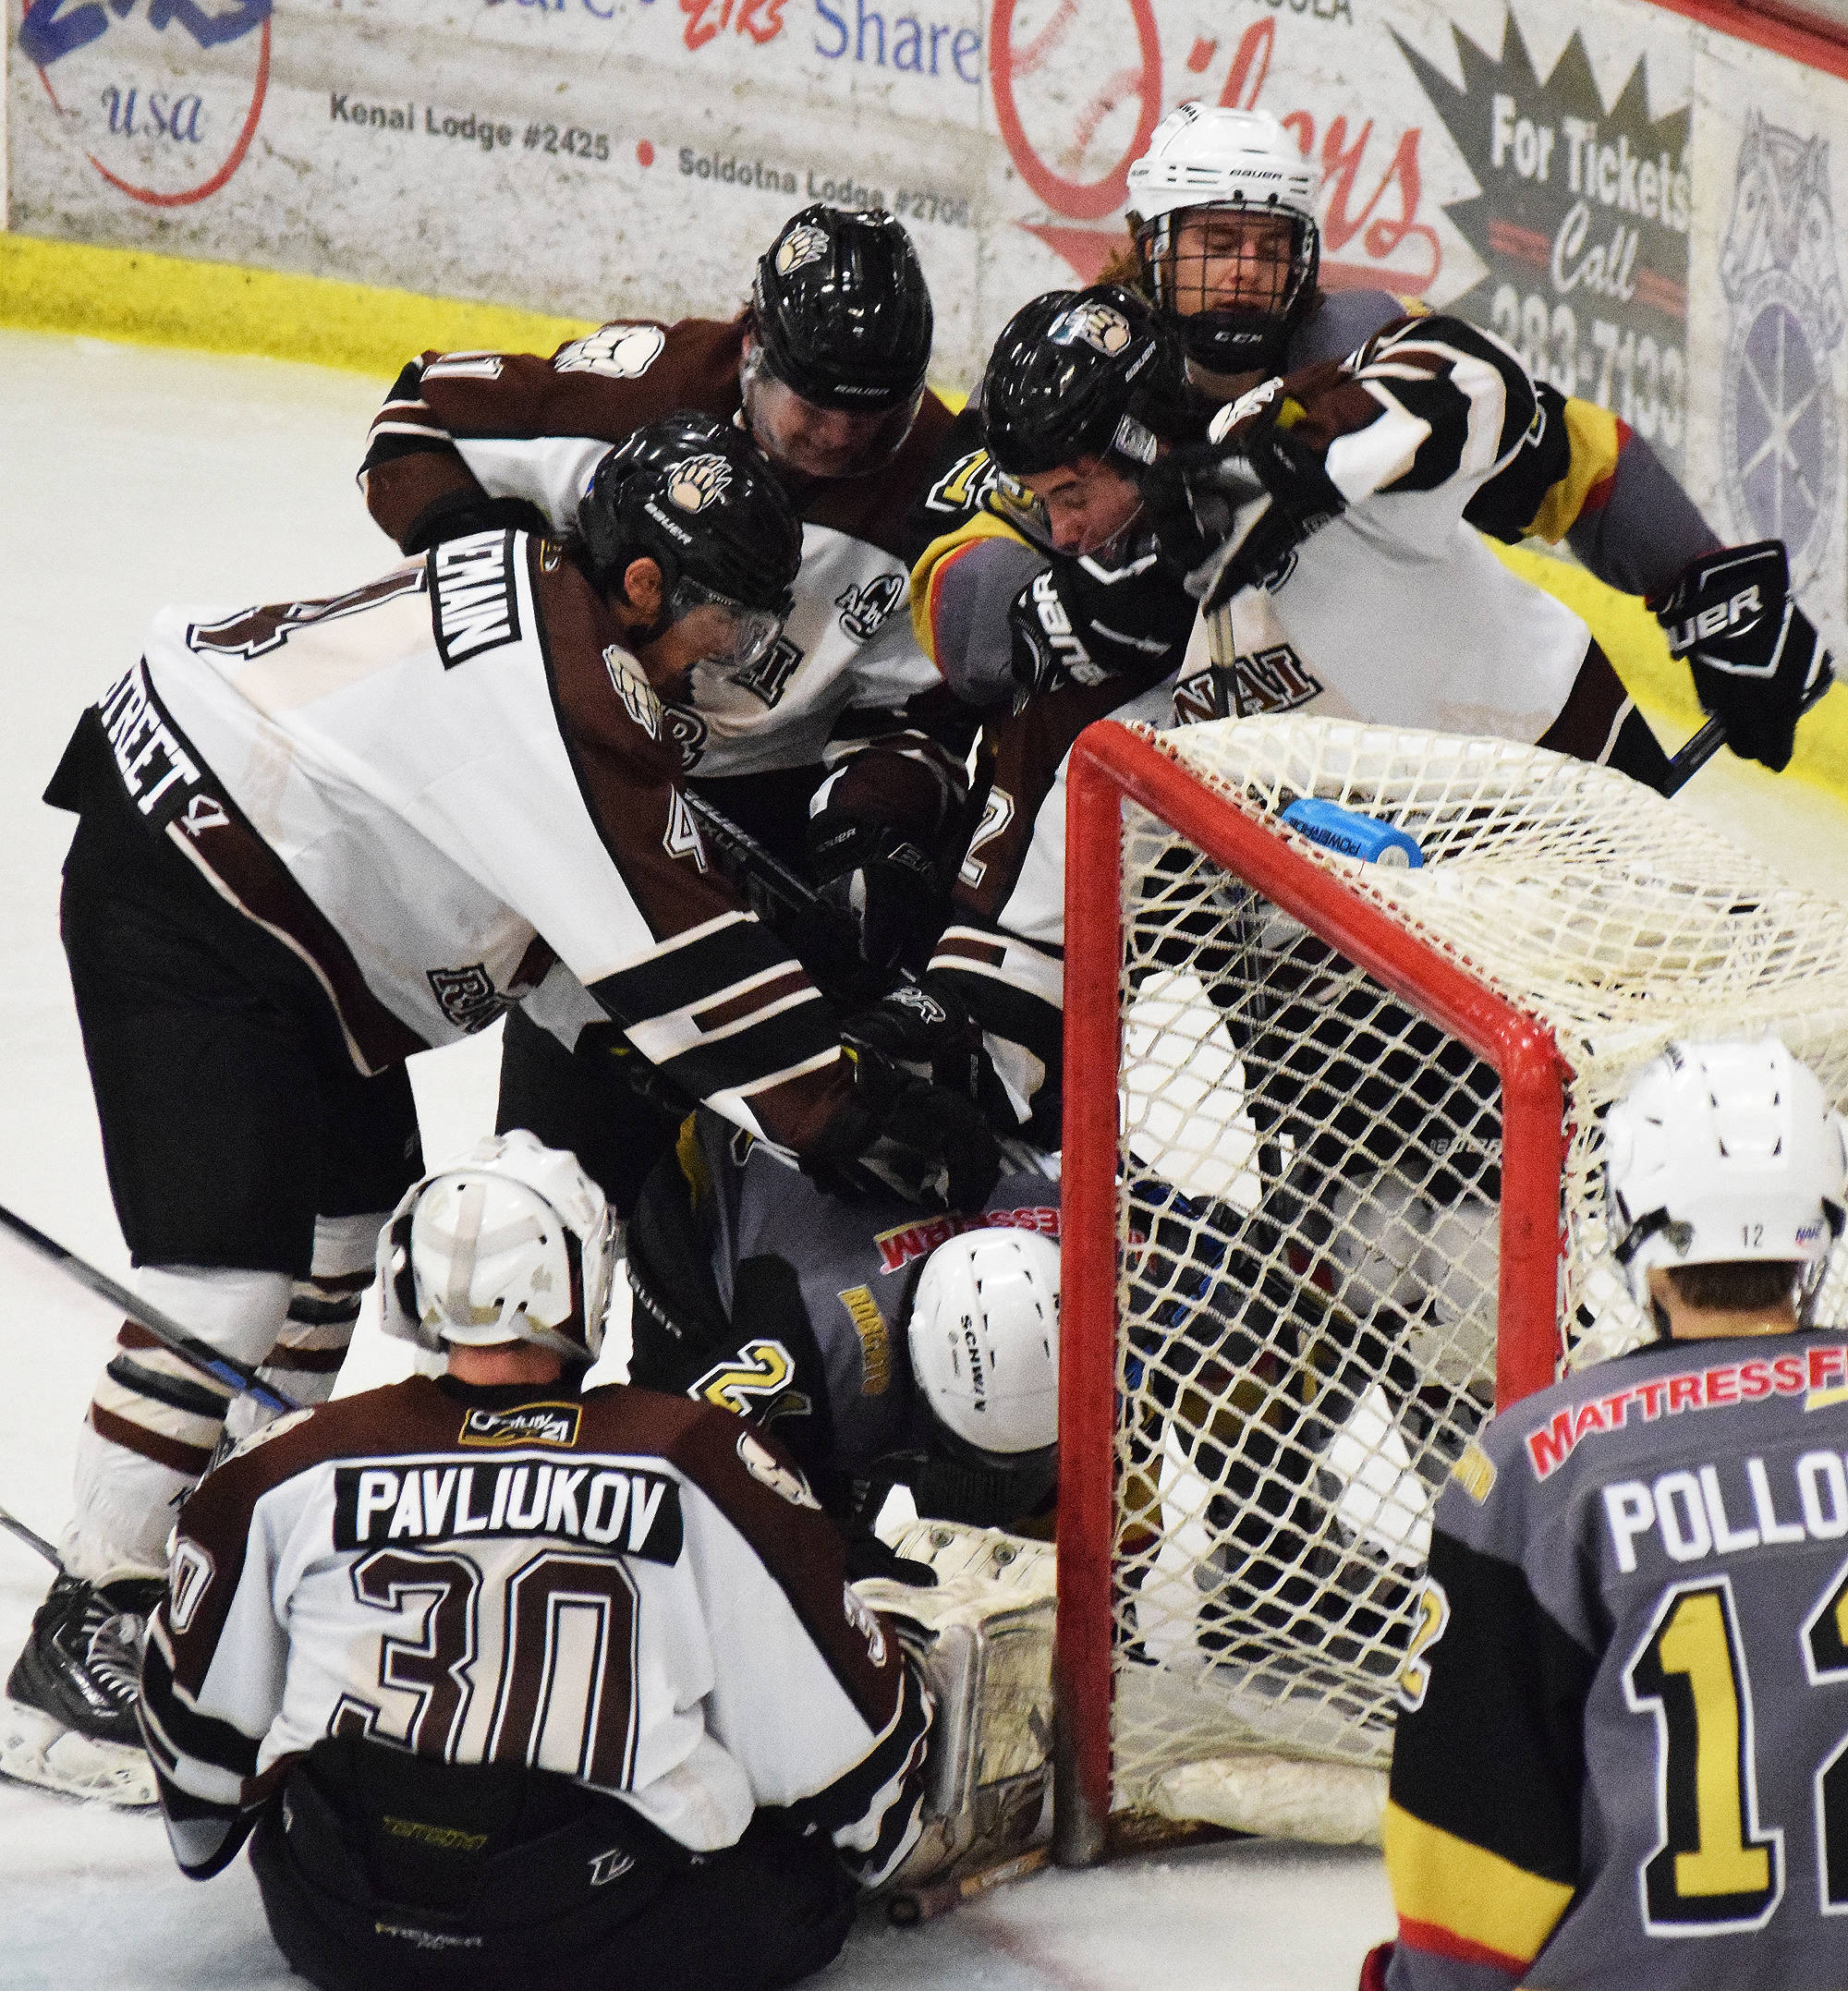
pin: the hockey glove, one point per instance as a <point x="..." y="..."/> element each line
<point x="888" y="886"/>
<point x="1047" y="652"/>
<point x="1755" y="656"/>
<point x="1229" y="515"/>
<point x="926" y="1032"/>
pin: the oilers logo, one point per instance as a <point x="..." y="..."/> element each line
<point x="622" y="352"/>
<point x="801" y="247"/>
<point x="1101" y="326"/>
<point x="699" y="482"/>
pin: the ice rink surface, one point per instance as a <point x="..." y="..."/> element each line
<point x="139" y="477"/>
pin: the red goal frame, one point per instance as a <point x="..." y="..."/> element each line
<point x="1108" y="763"/>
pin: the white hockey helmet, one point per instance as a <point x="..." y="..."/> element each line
<point x="984" y="1338"/>
<point x="513" y="1244"/>
<point x="1722" y="1151"/>
<point x="1204" y="158"/>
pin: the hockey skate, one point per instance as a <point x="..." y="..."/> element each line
<point x="67" y="1723"/>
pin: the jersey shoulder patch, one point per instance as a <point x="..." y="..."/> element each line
<point x="622" y="351"/>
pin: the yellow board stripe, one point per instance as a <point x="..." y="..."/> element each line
<point x="1470" y="1894"/>
<point x="1633" y="641"/>
<point x="145" y="299"/>
<point x="218" y="307"/>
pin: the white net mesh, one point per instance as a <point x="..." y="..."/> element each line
<point x="1312" y="1171"/>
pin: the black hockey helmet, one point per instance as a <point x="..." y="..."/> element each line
<point x="695" y="495"/>
<point x="841" y="311"/>
<point x="1084" y="373"/>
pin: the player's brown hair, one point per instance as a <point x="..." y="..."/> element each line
<point x="1738" y="1286"/>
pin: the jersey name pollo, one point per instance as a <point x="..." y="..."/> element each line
<point x="1623" y="1757"/>
<point x="628" y="1590"/>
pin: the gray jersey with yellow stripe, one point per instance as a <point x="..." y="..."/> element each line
<point x="1624" y="1753"/>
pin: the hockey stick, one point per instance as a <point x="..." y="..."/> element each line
<point x="769" y="885"/>
<point x="225" y="1370"/>
<point x="911" y="1905"/>
<point x="15" y="1527"/>
<point x="1701" y="747"/>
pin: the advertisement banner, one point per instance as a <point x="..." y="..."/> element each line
<point x="1643" y="209"/>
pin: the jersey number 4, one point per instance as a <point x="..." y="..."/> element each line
<point x="1715" y="1869"/>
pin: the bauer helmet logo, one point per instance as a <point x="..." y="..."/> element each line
<point x="1101" y="326"/>
<point x="801" y="247"/>
<point x="699" y="482"/>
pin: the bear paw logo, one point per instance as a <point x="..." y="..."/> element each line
<point x="801" y="247"/>
<point x="1101" y="326"/>
<point x="699" y="482"/>
<point x="622" y="352"/>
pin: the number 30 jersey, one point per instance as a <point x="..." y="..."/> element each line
<point x="633" y="1591"/>
<point x="1622" y="1758"/>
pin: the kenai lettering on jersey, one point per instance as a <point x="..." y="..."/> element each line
<point x="898" y="1247"/>
<point x="1801" y="1372"/>
<point x="622" y="1508"/>
<point x="1273" y="680"/>
<point x="474" y="605"/>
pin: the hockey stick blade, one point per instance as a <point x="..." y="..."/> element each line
<point x="225" y="1370"/>
<point x="1702" y="746"/>
<point x="911" y="1905"/>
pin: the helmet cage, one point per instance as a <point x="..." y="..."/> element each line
<point x="1250" y="332"/>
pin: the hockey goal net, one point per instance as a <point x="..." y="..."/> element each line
<point x="1331" y="1196"/>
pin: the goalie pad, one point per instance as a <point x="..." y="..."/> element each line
<point x="984" y="1632"/>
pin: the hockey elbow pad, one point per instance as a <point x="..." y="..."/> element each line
<point x="1757" y="659"/>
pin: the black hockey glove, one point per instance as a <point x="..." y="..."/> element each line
<point x="1047" y="652"/>
<point x="902" y="1136"/>
<point x="867" y="1555"/>
<point x="1755" y="656"/>
<point x="924" y="1031"/>
<point x="888" y="886"/>
<point x="1229" y="515"/>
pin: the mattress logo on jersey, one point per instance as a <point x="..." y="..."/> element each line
<point x="621" y="352"/>
<point x="1816" y="1373"/>
<point x="864" y="610"/>
<point x="473" y="602"/>
<point x="875" y="1342"/>
<point x="899" y="1248"/>
<point x="532" y="1424"/>
<point x="622" y="1508"/>
<point x="1274" y="680"/>
<point x="768" y="1470"/>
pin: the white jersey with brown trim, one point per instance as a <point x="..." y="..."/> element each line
<point x="633" y="1591"/>
<point x="1398" y="611"/>
<point x="437" y="784"/>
